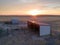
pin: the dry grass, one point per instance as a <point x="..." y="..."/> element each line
<point x="24" y="37"/>
<point x="20" y="37"/>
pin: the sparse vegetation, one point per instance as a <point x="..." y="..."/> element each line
<point x="23" y="36"/>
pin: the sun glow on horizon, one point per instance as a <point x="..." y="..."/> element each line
<point x="34" y="12"/>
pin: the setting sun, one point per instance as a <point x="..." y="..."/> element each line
<point x="34" y="12"/>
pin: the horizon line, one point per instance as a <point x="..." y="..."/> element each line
<point x="31" y="15"/>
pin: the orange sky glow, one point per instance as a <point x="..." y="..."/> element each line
<point x="26" y="7"/>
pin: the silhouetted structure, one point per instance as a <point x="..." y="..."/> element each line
<point x="41" y="28"/>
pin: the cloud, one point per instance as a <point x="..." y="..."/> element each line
<point x="56" y="7"/>
<point x="29" y="4"/>
<point x="49" y="1"/>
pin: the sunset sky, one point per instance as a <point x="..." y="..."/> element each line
<point x="21" y="7"/>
